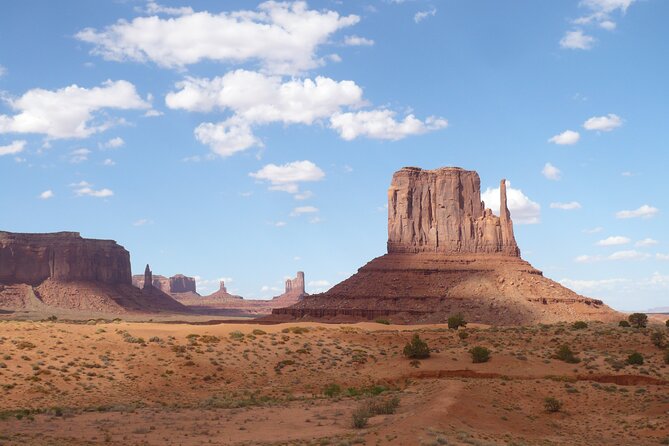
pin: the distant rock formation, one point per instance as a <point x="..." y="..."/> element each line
<point x="294" y="287"/>
<point x="447" y="254"/>
<point x="177" y="284"/>
<point x="441" y="211"/>
<point x="148" y="278"/>
<point x="63" y="270"/>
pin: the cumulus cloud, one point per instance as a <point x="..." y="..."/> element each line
<point x="13" y="148"/>
<point x="319" y="286"/>
<point x="570" y="206"/>
<point x="522" y="209"/>
<point x="603" y="123"/>
<point x="155" y="8"/>
<point x="357" y="41"/>
<point x="3" y="71"/>
<point x="614" y="240"/>
<point x="381" y="124"/>
<point x="577" y="40"/>
<point x="287" y="177"/>
<point x="422" y="15"/>
<point x="551" y="172"/>
<point x="228" y="137"/>
<point x="301" y="210"/>
<point x="282" y="36"/>
<point x="660" y="256"/>
<point x="644" y="211"/>
<point x="628" y="255"/>
<point x="79" y="155"/>
<point x="46" y="194"/>
<point x="587" y="259"/>
<point x="594" y="230"/>
<point x="646" y="242"/>
<point x="600" y="12"/>
<point x="85" y="189"/>
<point x="568" y="137"/>
<point x="113" y="143"/>
<point x="588" y="286"/>
<point x="109" y="162"/>
<point x="69" y="112"/>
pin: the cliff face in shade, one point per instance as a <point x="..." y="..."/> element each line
<point x="177" y="284"/>
<point x="441" y="211"/>
<point x="62" y="256"/>
<point x="182" y="284"/>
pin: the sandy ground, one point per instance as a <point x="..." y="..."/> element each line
<point x="127" y="383"/>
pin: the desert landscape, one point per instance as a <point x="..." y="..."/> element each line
<point x="328" y="223"/>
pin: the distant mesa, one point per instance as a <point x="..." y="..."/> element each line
<point x="447" y="254"/>
<point x="65" y="271"/>
<point x="174" y="286"/>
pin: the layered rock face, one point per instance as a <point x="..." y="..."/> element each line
<point x="182" y="284"/>
<point x="447" y="254"/>
<point x="62" y="256"/>
<point x="177" y="284"/>
<point x="441" y="211"/>
<point x="64" y="271"/>
<point x="296" y="285"/>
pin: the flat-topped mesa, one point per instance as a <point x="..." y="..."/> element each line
<point x="182" y="284"/>
<point x="296" y="285"/>
<point x="441" y="211"/>
<point x="62" y="256"/>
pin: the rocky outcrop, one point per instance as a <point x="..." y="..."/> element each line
<point x="177" y="284"/>
<point x="447" y="254"/>
<point x="62" y="256"/>
<point x="148" y="278"/>
<point x="182" y="284"/>
<point x="63" y="271"/>
<point x="441" y="211"/>
<point x="295" y="286"/>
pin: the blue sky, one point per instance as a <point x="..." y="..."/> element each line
<point x="251" y="140"/>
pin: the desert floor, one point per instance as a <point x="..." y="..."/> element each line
<point x="127" y="383"/>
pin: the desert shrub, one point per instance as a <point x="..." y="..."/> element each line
<point x="623" y="324"/>
<point x="295" y="330"/>
<point x="638" y="320"/>
<point x="579" y="325"/>
<point x="463" y="335"/>
<point x="208" y="339"/>
<point x="155" y="339"/>
<point x="635" y="358"/>
<point x="360" y="417"/>
<point x="552" y="404"/>
<point x="25" y="345"/>
<point x="382" y="321"/>
<point x="259" y="332"/>
<point x="456" y="321"/>
<point x="236" y="335"/>
<point x="657" y="338"/>
<point x="382" y="406"/>
<point x="332" y="390"/>
<point x="565" y="353"/>
<point x="417" y="348"/>
<point x="666" y="356"/>
<point x="666" y="323"/>
<point x="479" y="354"/>
<point x="52" y="318"/>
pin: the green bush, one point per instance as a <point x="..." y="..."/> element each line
<point x="237" y="335"/>
<point x="638" y="320"/>
<point x="417" y="348"/>
<point x="382" y="321"/>
<point x="383" y="406"/>
<point x="259" y="332"/>
<point x="564" y="353"/>
<point x="657" y="338"/>
<point x="456" y="321"/>
<point x="623" y="324"/>
<point x="579" y="325"/>
<point x="635" y="358"/>
<point x="360" y="417"/>
<point x="666" y="356"/>
<point x="479" y="354"/>
<point x="332" y="390"/>
<point x="666" y="323"/>
<point x="463" y="335"/>
<point x="552" y="404"/>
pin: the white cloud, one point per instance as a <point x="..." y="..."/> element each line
<point x="282" y="36"/>
<point x="577" y="40"/>
<point x="522" y="209"/>
<point x="627" y="174"/>
<point x="587" y="259"/>
<point x="142" y="222"/>
<point x="603" y="123"/>
<point x="3" y="71"/>
<point x="422" y="15"/>
<point x="644" y="211"/>
<point x="381" y="124"/>
<point x="109" y="162"/>
<point x="79" y="155"/>
<point x="608" y="25"/>
<point x="588" y="286"/>
<point x="286" y="177"/>
<point x="300" y="210"/>
<point x="660" y="256"/>
<point x="69" y="112"/>
<point x="568" y="137"/>
<point x="594" y="230"/>
<point x="303" y="195"/>
<point x="319" y="286"/>
<point x="155" y="8"/>
<point x="551" y="172"/>
<point x="113" y="143"/>
<point x="12" y="148"/>
<point x="570" y="206"/>
<point x="628" y="255"/>
<point x="46" y="194"/>
<point x="255" y="98"/>
<point x="646" y="242"/>
<point x="84" y="189"/>
<point x="614" y="240"/>
<point x="357" y="41"/>
<point x="280" y="224"/>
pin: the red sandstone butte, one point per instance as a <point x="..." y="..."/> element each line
<point x="63" y="270"/>
<point x="447" y="254"/>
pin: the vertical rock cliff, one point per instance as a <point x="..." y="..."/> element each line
<point x="441" y="211"/>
